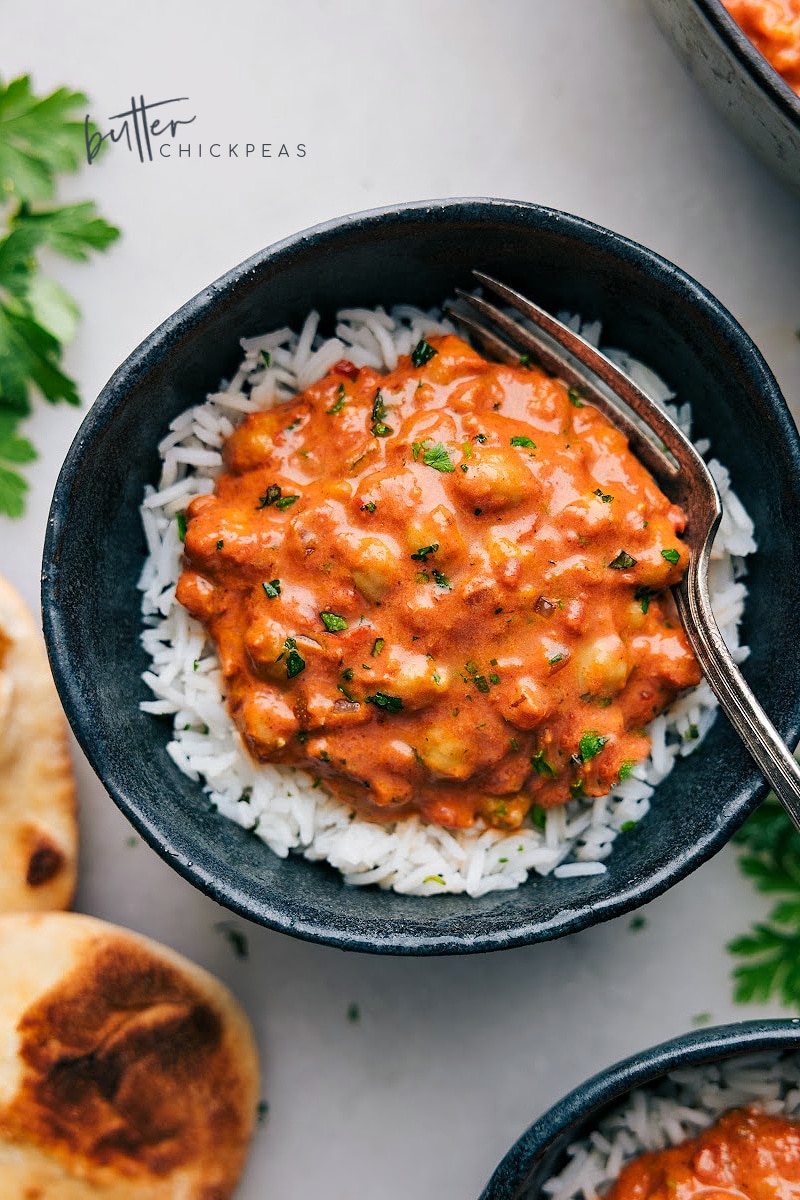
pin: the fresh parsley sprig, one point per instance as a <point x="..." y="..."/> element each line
<point x="40" y="138"/>
<point x="769" y="954"/>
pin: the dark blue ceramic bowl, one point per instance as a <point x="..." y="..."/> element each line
<point x="541" y="1151"/>
<point x="95" y="548"/>
<point x="749" y="93"/>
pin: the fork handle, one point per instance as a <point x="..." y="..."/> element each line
<point x="761" y="738"/>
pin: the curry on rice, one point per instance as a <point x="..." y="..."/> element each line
<point x="442" y="589"/>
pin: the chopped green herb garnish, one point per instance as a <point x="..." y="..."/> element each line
<point x="347" y="673"/>
<point x="378" y="427"/>
<point x="385" y="701"/>
<point x="514" y="743"/>
<point x="333" y="622"/>
<point x="293" y="426"/>
<point x="294" y="663"/>
<point x="479" y="437"/>
<point x="523" y="441"/>
<point x="381" y="430"/>
<point x="590" y="745"/>
<point x="555" y="659"/>
<point x="440" y="580"/>
<point x="671" y="556"/>
<point x="626" y="770"/>
<point x="338" y="404"/>
<point x="494" y="678"/>
<point x="180" y="521"/>
<point x="622" y="562"/>
<point x="421" y="555"/>
<point x="369" y="506"/>
<point x="271" y="495"/>
<point x="286" y="501"/>
<point x="438" y="458"/>
<point x="537" y="816"/>
<point x="525" y="360"/>
<point x="692" y="733"/>
<point x="422" y="353"/>
<point x="464" y="467"/>
<point x="643" y="596"/>
<point x="196" y="664"/>
<point x="348" y="695"/>
<point x="220" y="544"/>
<point x="235" y="938"/>
<point x="266" y="358"/>
<point x="604" y="496"/>
<point x="377" y="646"/>
<point x="627" y="826"/>
<point x="541" y="765"/>
<point x="422" y="577"/>
<point x="272" y="589"/>
<point x="575" y="399"/>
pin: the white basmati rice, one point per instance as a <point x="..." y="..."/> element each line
<point x="673" y="1110"/>
<point x="284" y="806"/>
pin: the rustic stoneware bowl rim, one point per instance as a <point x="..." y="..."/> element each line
<point x="585" y="1103"/>
<point x="751" y="59"/>
<point x="277" y="911"/>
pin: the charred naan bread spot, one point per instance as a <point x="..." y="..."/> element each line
<point x="134" y="1065"/>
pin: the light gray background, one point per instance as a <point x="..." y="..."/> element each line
<point x="577" y="104"/>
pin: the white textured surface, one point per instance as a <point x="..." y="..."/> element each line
<point x="574" y="103"/>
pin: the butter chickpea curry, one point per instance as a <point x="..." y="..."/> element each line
<point x="773" y="26"/>
<point x="441" y="590"/>
<point x="746" y="1155"/>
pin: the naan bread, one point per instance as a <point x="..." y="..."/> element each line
<point x="126" y="1072"/>
<point x="38" y="827"/>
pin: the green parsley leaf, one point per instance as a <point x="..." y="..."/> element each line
<point x="422" y="353"/>
<point x="541" y="766"/>
<point x="575" y="399"/>
<point x="590" y="745"/>
<point x="347" y="673"/>
<point x="421" y="555"/>
<point x="40" y="137"/>
<point x="626" y="770"/>
<point x="13" y="450"/>
<point x="369" y="506"/>
<point x="338" y="404"/>
<point x="671" y="556"/>
<point x="604" y="496"/>
<point x="441" y="580"/>
<point x="383" y="700"/>
<point x="333" y="622"/>
<point x="266" y="358"/>
<point x="285" y="501"/>
<point x="537" y="817"/>
<point x="523" y="441"/>
<point x="525" y="360"/>
<point x="74" y="230"/>
<point x="377" y="646"/>
<point x="770" y="951"/>
<point x="180" y="521"/>
<point x="438" y="458"/>
<point x="270" y="496"/>
<point x="272" y="589"/>
<point x="294" y="663"/>
<point x="622" y="562"/>
<point x="643" y="596"/>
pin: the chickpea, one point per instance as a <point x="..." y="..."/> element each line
<point x="444" y="752"/>
<point x="268" y="722"/>
<point x="418" y="680"/>
<point x="374" y="564"/>
<point x="602" y="665"/>
<point x="495" y="479"/>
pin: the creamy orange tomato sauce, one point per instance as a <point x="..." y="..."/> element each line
<point x="747" y="1155"/>
<point x="441" y="589"/>
<point x="773" y="26"/>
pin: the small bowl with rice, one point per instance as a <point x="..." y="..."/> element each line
<point x="142" y="688"/>
<point x="657" y="1120"/>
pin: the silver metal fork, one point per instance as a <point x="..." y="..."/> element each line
<point x="678" y="469"/>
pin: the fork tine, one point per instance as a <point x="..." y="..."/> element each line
<point x="502" y="350"/>
<point x="592" y="358"/>
<point x="553" y="361"/>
